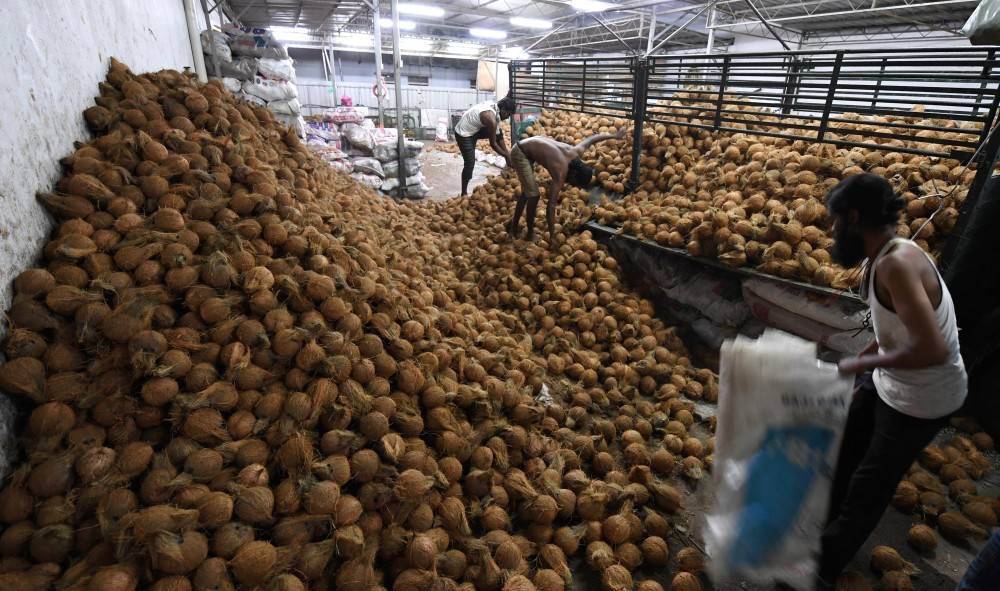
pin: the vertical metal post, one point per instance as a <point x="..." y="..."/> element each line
<point x="791" y="84"/>
<point x="583" y="87"/>
<point x="397" y="66"/>
<point x="496" y="74"/>
<point x="710" y="46"/>
<point x="878" y="83"/>
<point x="652" y="29"/>
<point x="724" y="79"/>
<point x="208" y="27"/>
<point x="512" y="91"/>
<point x="379" y="82"/>
<point x="834" y="77"/>
<point x="987" y="66"/>
<point x="193" y="38"/>
<point x="639" y="89"/>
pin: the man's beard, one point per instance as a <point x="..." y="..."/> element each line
<point x="848" y="247"/>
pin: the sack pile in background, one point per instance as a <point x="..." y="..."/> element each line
<point x="255" y="66"/>
<point x="350" y="142"/>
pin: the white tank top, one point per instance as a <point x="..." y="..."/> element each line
<point x="470" y="124"/>
<point x="929" y="392"/>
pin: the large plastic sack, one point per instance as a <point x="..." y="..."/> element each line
<point x="441" y="130"/>
<point x="289" y="107"/>
<point x="830" y="324"/>
<point x="369" y="166"/>
<point x="342" y="115"/>
<point x="411" y="166"/>
<point x="781" y="418"/>
<point x="412" y="148"/>
<point x="296" y="122"/>
<point x="232" y="85"/>
<point x="369" y="180"/>
<point x="254" y="100"/>
<point x="983" y="26"/>
<point x="392" y="183"/>
<point x="382" y="135"/>
<point x="277" y="69"/>
<point x="254" y="42"/>
<point x="216" y="43"/>
<point x="359" y="137"/>
<point x="244" y="68"/>
<point x="385" y="152"/>
<point x="270" y="90"/>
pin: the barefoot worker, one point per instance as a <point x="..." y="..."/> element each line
<point x="564" y="165"/>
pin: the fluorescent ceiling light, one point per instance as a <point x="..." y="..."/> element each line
<point x="359" y="41"/>
<point x="403" y="25"/>
<point x="291" y="34"/>
<point x="530" y="23"/>
<point x="513" y="53"/>
<point x="591" y="5"/>
<point x="488" y="33"/>
<point x="415" y="44"/>
<point x="464" y="48"/>
<point x="421" y="10"/>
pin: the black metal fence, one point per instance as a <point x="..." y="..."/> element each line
<point x="938" y="102"/>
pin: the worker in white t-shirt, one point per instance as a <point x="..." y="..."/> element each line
<point x="481" y="122"/>
<point x="917" y="376"/>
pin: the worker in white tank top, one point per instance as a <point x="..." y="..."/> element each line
<point x="916" y="374"/>
<point x="481" y="122"/>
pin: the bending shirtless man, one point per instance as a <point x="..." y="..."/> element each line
<point x="564" y="165"/>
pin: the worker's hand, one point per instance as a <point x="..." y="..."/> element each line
<point x="852" y="366"/>
<point x="620" y="134"/>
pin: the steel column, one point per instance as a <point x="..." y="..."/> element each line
<point x="379" y="81"/>
<point x="639" y="89"/>
<point x="825" y="122"/>
<point x="397" y="66"/>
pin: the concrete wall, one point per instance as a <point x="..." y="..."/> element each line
<point x="54" y="54"/>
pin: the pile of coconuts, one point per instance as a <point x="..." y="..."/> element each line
<point x="241" y="370"/>
<point x="758" y="201"/>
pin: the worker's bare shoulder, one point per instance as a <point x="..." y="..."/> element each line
<point x="899" y="263"/>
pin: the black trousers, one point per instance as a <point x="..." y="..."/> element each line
<point x="879" y="445"/>
<point x="467" y="148"/>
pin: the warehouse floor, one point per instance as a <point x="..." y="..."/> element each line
<point x="443" y="172"/>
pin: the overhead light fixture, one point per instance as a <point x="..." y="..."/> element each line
<point x="513" y="53"/>
<point x="291" y="34"/>
<point x="464" y="48"/>
<point x="357" y="41"/>
<point x="403" y="25"/>
<point x="421" y="10"/>
<point x="488" y="33"/>
<point x="415" y="44"/>
<point x="530" y="23"/>
<point x="591" y="5"/>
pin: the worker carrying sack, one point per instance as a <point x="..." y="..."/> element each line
<point x="983" y="26"/>
<point x="781" y="417"/>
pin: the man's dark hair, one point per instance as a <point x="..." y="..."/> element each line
<point x="507" y="105"/>
<point x="871" y="196"/>
<point x="579" y="174"/>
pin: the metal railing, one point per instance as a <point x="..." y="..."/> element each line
<point x="846" y="98"/>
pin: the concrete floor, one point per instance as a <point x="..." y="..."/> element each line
<point x="443" y="172"/>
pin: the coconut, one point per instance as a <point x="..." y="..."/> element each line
<point x="922" y="538"/>
<point x="690" y="560"/>
<point x="886" y="558"/>
<point x="254" y="562"/>
<point x="685" y="581"/>
<point x="896" y="581"/>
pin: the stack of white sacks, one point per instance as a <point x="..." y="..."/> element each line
<point x="368" y="153"/>
<point x="254" y="66"/>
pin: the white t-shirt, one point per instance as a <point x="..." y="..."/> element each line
<point x="470" y="123"/>
<point x="928" y="392"/>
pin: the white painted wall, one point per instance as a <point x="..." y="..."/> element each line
<point x="54" y="53"/>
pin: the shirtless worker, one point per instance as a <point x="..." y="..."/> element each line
<point x="564" y="165"/>
<point x="481" y="122"/>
